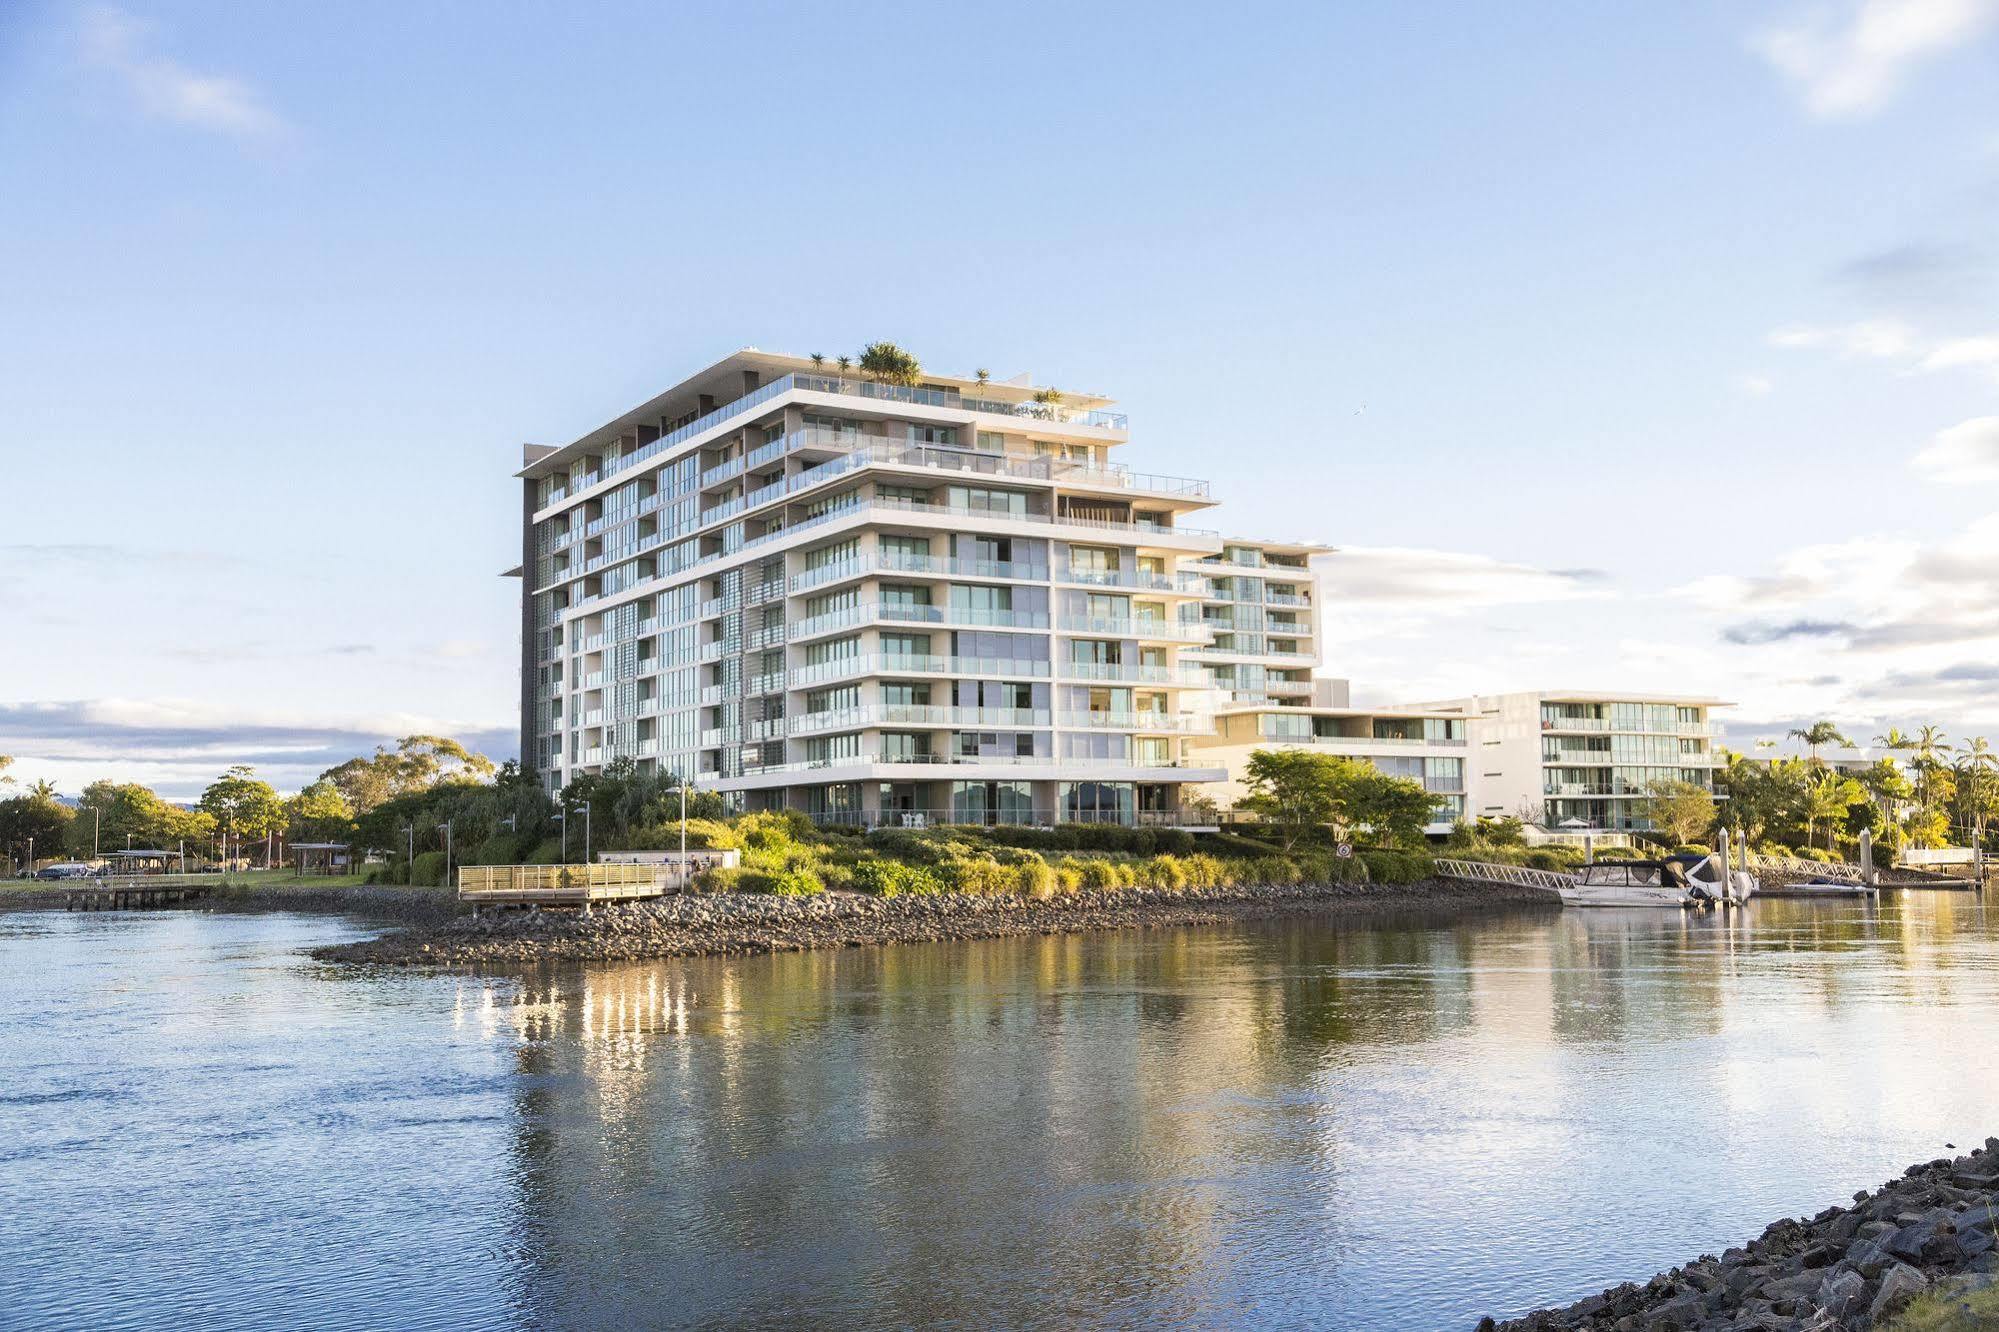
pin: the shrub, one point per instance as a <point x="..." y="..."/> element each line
<point x="1035" y="879"/>
<point x="427" y="871"/>
<point x="1095" y="875"/>
<point x="796" y="883"/>
<point x="1165" y="872"/>
<point x="1693" y="849"/>
<point x="980" y="876"/>
<point x="1390" y="865"/>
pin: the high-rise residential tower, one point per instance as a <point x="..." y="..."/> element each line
<point x="948" y="601"/>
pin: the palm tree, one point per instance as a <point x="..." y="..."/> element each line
<point x="1820" y="733"/>
<point x="1976" y="764"/>
<point x="845" y="363"/>
<point x="1827" y="797"/>
<point x="1895" y="741"/>
<point x="818" y="363"/>
<point x="983" y="375"/>
<point x="1930" y="743"/>
<point x="887" y="363"/>
<point x="43" y="790"/>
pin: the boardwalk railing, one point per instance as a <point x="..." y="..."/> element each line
<point x="1518" y="876"/>
<point x="1844" y="871"/>
<point x="527" y="885"/>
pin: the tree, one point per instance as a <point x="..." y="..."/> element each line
<point x="1293" y="789"/>
<point x="1393" y="810"/>
<point x="1820" y="733"/>
<point x="1930" y="745"/>
<point x="417" y="763"/>
<point x="1889" y="787"/>
<point x="1828" y="796"/>
<point x="6" y="762"/>
<point x="26" y="817"/>
<point x="1894" y="741"/>
<point x="818" y="363"/>
<point x="244" y="806"/>
<point x="1297" y="790"/>
<point x="1683" y="811"/>
<point x="1977" y="780"/>
<point x="886" y="363"/>
<point x="111" y="814"/>
<point x="319" y="813"/>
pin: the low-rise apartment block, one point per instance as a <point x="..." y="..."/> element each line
<point x="870" y="602"/>
<point x="1428" y="746"/>
<point x="1566" y="757"/>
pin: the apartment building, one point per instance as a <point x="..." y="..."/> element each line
<point x="875" y="603"/>
<point x="1427" y="746"/>
<point x="1569" y="757"/>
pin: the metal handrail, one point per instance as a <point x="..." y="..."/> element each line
<point x="1519" y="876"/>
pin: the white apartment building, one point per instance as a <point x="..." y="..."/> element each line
<point x="948" y="602"/>
<point x="1557" y="756"/>
<point x="1430" y="746"/>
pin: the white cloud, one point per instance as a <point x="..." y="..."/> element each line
<point x="1755" y="386"/>
<point x="1851" y="63"/>
<point x="1442" y="579"/>
<point x="1879" y="338"/>
<point x="115" y="41"/>
<point x="1892" y="340"/>
<point x="1981" y="353"/>
<point x="1967" y="451"/>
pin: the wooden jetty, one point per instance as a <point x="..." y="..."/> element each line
<point x="133" y="893"/>
<point x="563" y="885"/>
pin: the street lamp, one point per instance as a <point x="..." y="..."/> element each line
<point x="410" y="864"/>
<point x="561" y="816"/>
<point x="96" y="827"/>
<point x="445" y="828"/>
<point x="584" y="805"/>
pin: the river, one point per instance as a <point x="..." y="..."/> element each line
<point x="1393" y="1123"/>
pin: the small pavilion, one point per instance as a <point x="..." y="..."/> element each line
<point x="322" y="857"/>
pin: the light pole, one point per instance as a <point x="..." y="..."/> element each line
<point x="584" y="805"/>
<point x="561" y="816"/>
<point x="445" y="828"/>
<point x="410" y="864"/>
<point x="31" y="856"/>
<point x="96" y="827"/>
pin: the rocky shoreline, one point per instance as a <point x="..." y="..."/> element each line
<point x="1930" y="1231"/>
<point x="742" y="923"/>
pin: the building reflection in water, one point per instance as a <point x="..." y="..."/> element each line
<point x="1264" y="1121"/>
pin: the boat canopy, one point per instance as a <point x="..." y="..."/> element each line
<point x="1635" y="873"/>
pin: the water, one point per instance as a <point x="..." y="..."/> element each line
<point x="1395" y="1124"/>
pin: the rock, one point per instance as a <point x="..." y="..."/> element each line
<point x="1899" y="1284"/>
<point x="1868" y="1258"/>
<point x="1842" y="1292"/>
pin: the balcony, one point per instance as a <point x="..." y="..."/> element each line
<point x="873" y="612"/>
<point x="1136" y="721"/>
<point x="1153" y="630"/>
<point x="907" y="714"/>
<point x="1176" y="676"/>
<point x="1363" y="742"/>
<point x="907" y="664"/>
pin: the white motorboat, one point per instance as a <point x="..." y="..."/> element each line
<point x="1635" y="883"/>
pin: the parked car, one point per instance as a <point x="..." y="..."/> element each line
<point x="70" y="870"/>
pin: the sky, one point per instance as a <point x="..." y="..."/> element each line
<point x="1617" y="347"/>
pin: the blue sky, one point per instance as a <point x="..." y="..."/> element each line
<point x="1622" y="347"/>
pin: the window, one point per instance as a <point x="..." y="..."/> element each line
<point x="829" y="555"/>
<point x="901" y="494"/>
<point x="902" y="695"/>
<point x="905" y="645"/>
<point x="944" y="436"/>
<point x="895" y="547"/>
<point x="905" y="747"/>
<point x="978" y="597"/>
<point x="991" y="441"/>
<point x="982" y="499"/>
<point x="833" y="425"/>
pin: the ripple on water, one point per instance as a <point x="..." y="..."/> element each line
<point x="1390" y="1124"/>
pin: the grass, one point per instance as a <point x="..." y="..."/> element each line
<point x="1951" y="1312"/>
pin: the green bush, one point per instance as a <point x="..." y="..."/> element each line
<point x="428" y="869"/>
<point x="1389" y="865"/>
<point x="1693" y="849"/>
<point x="796" y="883"/>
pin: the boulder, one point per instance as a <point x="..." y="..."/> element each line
<point x="1899" y="1284"/>
<point x="1842" y="1292"/>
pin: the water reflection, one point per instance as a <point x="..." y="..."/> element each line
<point x="1393" y="1123"/>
